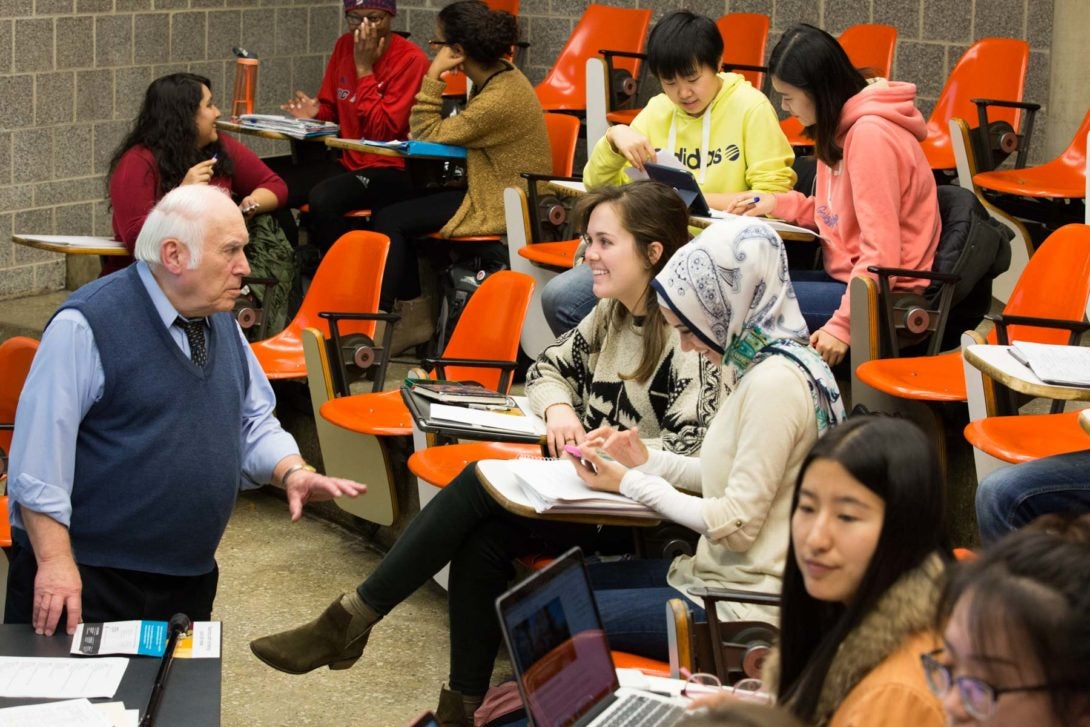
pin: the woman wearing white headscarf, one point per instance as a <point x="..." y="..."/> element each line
<point x="729" y="296"/>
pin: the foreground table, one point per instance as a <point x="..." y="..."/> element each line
<point x="71" y="244"/>
<point x="191" y="698"/>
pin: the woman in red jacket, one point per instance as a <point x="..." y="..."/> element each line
<point x="369" y="86"/>
<point x="174" y="141"/>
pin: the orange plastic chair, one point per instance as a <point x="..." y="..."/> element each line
<point x="348" y="280"/>
<point x="16" y="355"/>
<point x="992" y="68"/>
<point x="1062" y="263"/>
<point x="437" y="466"/>
<point x="1025" y="438"/>
<point x="1061" y="178"/>
<point x="745" y="36"/>
<point x="602" y="26"/>
<point x="870" y="47"/>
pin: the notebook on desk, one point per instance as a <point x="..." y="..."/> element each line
<point x="562" y="661"/>
<point x="1054" y="364"/>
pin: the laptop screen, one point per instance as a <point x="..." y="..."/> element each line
<point x="557" y="643"/>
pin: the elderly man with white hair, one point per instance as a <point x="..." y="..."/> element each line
<point x="143" y="414"/>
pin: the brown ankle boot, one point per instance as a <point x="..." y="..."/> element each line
<point x="334" y="639"/>
<point x="416" y="325"/>
<point x="455" y="709"/>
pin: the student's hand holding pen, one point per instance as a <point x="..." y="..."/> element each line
<point x="301" y="106"/>
<point x="369" y="44"/>
<point x="755" y="204"/>
<point x="201" y="172"/>
<point x="631" y="144"/>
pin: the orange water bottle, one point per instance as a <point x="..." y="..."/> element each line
<point x="242" y="102"/>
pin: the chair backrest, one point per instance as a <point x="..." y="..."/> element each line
<point x="745" y="36"/>
<point x="563" y="136"/>
<point x="602" y="26"/>
<point x="1075" y="154"/>
<point x="1055" y="284"/>
<point x="870" y="47"/>
<point x="348" y="280"/>
<point x="16" y="354"/>
<point x="490" y="326"/>
<point x="992" y="68"/>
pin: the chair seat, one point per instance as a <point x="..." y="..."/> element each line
<point x="381" y="414"/>
<point x="624" y="660"/>
<point x="5" y="525"/>
<point x="467" y="238"/>
<point x="1028" y="437"/>
<point x="439" y="465"/>
<point x="1052" y="180"/>
<point x="553" y="254"/>
<point x="622" y="116"/>
<point x="926" y="378"/>
<point x="279" y="356"/>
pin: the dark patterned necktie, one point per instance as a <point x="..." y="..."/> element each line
<point x="194" y="331"/>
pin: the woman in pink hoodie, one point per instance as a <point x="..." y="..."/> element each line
<point x="874" y="200"/>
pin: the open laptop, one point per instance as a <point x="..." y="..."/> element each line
<point x="684" y="183"/>
<point x="561" y="657"/>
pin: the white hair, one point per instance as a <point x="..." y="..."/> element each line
<point x="182" y="214"/>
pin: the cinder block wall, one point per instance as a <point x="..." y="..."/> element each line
<point x="72" y="73"/>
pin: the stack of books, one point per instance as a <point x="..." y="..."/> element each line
<point x="289" y="126"/>
<point x="458" y="392"/>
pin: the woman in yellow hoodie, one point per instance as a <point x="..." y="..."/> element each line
<point x="717" y="125"/>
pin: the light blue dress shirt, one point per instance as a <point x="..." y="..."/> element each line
<point x="67" y="378"/>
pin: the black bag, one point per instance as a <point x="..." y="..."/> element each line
<point x="460" y="281"/>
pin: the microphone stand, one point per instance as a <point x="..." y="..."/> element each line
<point x="179" y="624"/>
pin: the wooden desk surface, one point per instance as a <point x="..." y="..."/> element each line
<point x="996" y="362"/>
<point x="359" y="145"/>
<point x="578" y="189"/>
<point x="72" y="244"/>
<point x="237" y="128"/>
<point x="497" y="480"/>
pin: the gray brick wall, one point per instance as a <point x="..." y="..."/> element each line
<point x="72" y="73"/>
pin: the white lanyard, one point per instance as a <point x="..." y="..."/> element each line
<point x="705" y="140"/>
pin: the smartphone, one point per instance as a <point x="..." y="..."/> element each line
<point x="578" y="454"/>
<point x="425" y="719"/>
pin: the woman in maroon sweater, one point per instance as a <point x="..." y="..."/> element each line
<point x="174" y="142"/>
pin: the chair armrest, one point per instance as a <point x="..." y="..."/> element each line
<point x="521" y="44"/>
<point x="609" y="55"/>
<point x="909" y="273"/>
<point x="334" y="319"/>
<point x="1028" y="106"/>
<point x="743" y="67"/>
<point x="6" y="426"/>
<point x="617" y="97"/>
<point x="506" y="368"/>
<point x="713" y="594"/>
<point x="531" y="177"/>
<point x="1075" y="328"/>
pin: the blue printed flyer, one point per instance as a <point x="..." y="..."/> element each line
<point x="146" y="638"/>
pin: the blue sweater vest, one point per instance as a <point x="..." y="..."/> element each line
<point x="158" y="457"/>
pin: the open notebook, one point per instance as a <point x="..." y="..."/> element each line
<point x="552" y="486"/>
<point x="1053" y="364"/>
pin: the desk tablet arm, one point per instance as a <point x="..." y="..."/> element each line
<point x="910" y="317"/>
<point x="361" y="350"/>
<point x="623" y="88"/>
<point x="1002" y="138"/>
<point x="506" y="368"/>
<point x="549" y="211"/>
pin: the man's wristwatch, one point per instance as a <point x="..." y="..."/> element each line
<point x="293" y="469"/>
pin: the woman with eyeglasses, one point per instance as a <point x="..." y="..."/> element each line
<point x="368" y="88"/>
<point x="1016" y="631"/>
<point x="503" y="130"/>
<point x="865" y="566"/>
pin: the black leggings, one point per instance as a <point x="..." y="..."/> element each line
<point x="464" y="526"/>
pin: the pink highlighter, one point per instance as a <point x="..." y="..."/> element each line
<point x="578" y="454"/>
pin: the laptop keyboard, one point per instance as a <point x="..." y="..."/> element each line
<point x="635" y="709"/>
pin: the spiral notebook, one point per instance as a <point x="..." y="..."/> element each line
<point x="1054" y="364"/>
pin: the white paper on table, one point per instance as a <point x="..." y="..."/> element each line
<point x="60" y="678"/>
<point x="70" y="713"/>
<point x="662" y="157"/>
<point x="202" y="642"/>
<point x="117" y="715"/>
<point x="74" y="240"/>
<point x="488" y="420"/>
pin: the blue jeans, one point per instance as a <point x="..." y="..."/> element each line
<point x="1011" y="497"/>
<point x="818" y="294"/>
<point x="631" y="597"/>
<point x="568" y="298"/>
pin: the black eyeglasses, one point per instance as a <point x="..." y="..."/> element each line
<point x="357" y="20"/>
<point x="439" y="43"/>
<point x="977" y="696"/>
